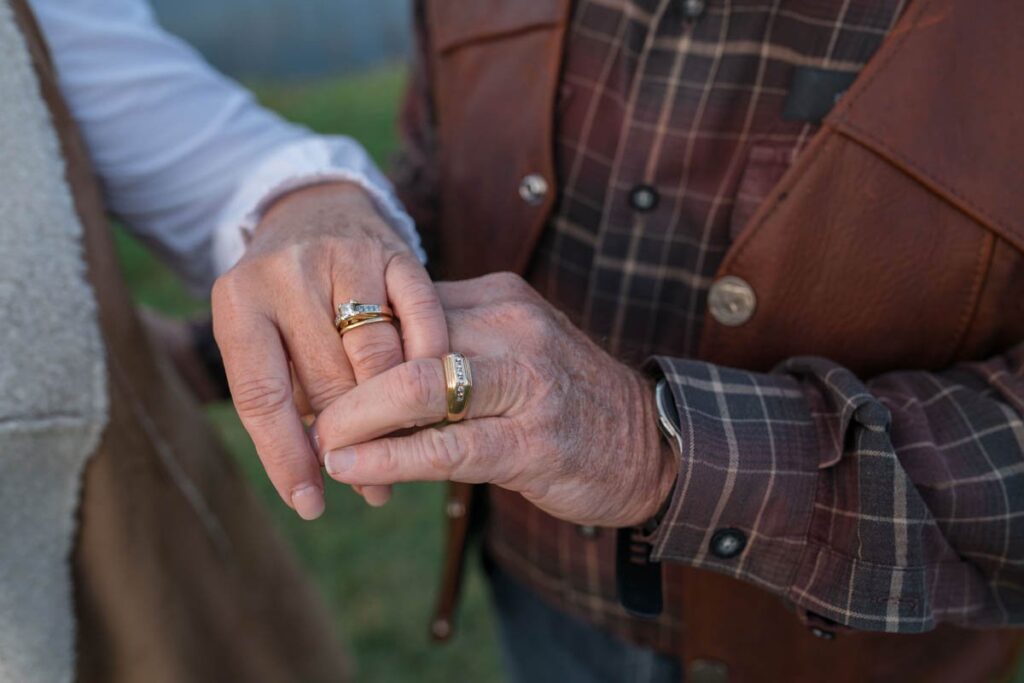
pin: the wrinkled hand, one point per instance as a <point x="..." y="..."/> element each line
<point x="552" y="416"/>
<point x="273" y="316"/>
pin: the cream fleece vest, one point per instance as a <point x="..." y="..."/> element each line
<point x="53" y="399"/>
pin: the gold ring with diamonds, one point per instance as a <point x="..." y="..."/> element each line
<point x="352" y="314"/>
<point x="458" y="379"/>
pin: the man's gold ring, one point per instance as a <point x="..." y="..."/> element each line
<point x="458" y="379"/>
<point x="352" y="315"/>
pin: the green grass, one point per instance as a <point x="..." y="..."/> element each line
<point x="377" y="569"/>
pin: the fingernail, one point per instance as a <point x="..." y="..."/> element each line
<point x="337" y="462"/>
<point x="377" y="496"/>
<point x="314" y="439"/>
<point x="308" y="501"/>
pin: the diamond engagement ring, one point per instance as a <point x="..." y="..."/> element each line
<point x="458" y="379"/>
<point x="353" y="314"/>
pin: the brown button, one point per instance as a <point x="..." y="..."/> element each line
<point x="454" y="509"/>
<point x="707" y="671"/>
<point x="731" y="301"/>
<point x="533" y="188"/>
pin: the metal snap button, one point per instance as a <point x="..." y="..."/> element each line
<point x="731" y="301"/>
<point x="693" y="9"/>
<point x="643" y="198"/>
<point x="728" y="543"/>
<point x="454" y="509"/>
<point x="533" y="188"/>
<point x="707" y="671"/>
<point x="818" y="632"/>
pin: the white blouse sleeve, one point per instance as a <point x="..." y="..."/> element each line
<point x="187" y="158"/>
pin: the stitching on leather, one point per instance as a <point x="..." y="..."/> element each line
<point x="496" y="35"/>
<point x="828" y="129"/>
<point x="985" y="257"/>
<point x="937" y="184"/>
<point x="782" y="194"/>
<point x="166" y="457"/>
<point x="822" y="140"/>
<point x="543" y="214"/>
<point x="841" y="120"/>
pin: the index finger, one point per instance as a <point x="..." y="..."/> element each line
<point x="260" y="381"/>
<point x="418" y="307"/>
<point x="410" y="395"/>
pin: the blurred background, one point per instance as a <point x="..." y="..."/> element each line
<point x="291" y="39"/>
<point x="337" y="66"/>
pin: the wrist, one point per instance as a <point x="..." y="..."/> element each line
<point x="333" y="204"/>
<point x="661" y="456"/>
<point x="667" y="420"/>
<point x="668" y="475"/>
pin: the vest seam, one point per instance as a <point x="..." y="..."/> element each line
<point x="840" y="121"/>
<point x="498" y="34"/>
<point x="986" y="255"/>
<point x="931" y="181"/>
<point x="804" y="162"/>
<point x="180" y="479"/>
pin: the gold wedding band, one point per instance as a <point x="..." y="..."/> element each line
<point x="352" y="315"/>
<point x="360" y="323"/>
<point x="458" y="379"/>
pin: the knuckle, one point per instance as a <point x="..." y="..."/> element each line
<point x="284" y="463"/>
<point x="372" y="353"/>
<point x="508" y="312"/>
<point x="352" y="257"/>
<point x="510" y="280"/>
<point x="522" y="378"/>
<point x="511" y="433"/>
<point x="421" y="300"/>
<point x="386" y="461"/>
<point x="529" y="320"/>
<point x="263" y="397"/>
<point x="242" y="288"/>
<point x="510" y="284"/>
<point x="441" y="450"/>
<point x="420" y="383"/>
<point x="322" y="390"/>
<point x="225" y="291"/>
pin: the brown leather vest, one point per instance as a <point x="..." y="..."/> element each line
<point x="894" y="242"/>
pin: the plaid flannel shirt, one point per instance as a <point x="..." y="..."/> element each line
<point x="909" y="485"/>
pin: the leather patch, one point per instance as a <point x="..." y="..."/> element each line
<point x="814" y="92"/>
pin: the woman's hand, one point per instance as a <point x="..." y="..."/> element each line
<point x="551" y="415"/>
<point x="274" y="314"/>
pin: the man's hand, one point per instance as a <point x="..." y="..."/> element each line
<point x="552" y="416"/>
<point x="274" y="314"/>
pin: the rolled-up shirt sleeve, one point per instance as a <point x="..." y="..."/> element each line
<point x="187" y="158"/>
<point x="888" y="504"/>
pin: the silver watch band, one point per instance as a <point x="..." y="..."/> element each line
<point x="668" y="415"/>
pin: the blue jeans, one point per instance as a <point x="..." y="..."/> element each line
<point x="540" y="644"/>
